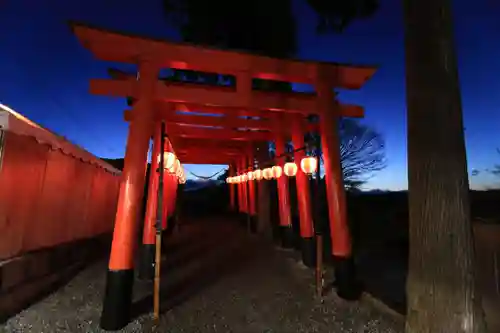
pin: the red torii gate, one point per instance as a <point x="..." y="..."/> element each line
<point x="157" y="100"/>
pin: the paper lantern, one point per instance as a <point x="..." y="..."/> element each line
<point x="277" y="171"/>
<point x="309" y="165"/>
<point x="290" y="169"/>
<point x="180" y="171"/>
<point x="169" y="160"/>
<point x="267" y="173"/>
<point x="238" y="179"/>
<point x="250" y="175"/>
<point x="244" y="177"/>
<point x="176" y="166"/>
<point x="228" y="180"/>
<point x="257" y="174"/>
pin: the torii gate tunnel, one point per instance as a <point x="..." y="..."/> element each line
<point x="230" y="138"/>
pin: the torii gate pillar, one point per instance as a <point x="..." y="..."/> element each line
<point x="345" y="277"/>
<point x="252" y="209"/>
<point x="303" y="196"/>
<point x="232" y="191"/>
<point x="285" y="213"/>
<point x="120" y="277"/>
<point x="242" y="203"/>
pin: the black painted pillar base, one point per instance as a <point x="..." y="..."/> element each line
<point x="308" y="250"/>
<point x="348" y="286"/>
<point x="297" y="241"/>
<point x="232" y="213"/>
<point x="242" y="219"/>
<point x="147" y="262"/>
<point x="276" y="229"/>
<point x="117" y="300"/>
<point x="287" y="237"/>
<point x="171" y="222"/>
<point x="253" y="224"/>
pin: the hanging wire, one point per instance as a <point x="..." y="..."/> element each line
<point x="272" y="161"/>
<point x="205" y="177"/>
<point x="311" y="147"/>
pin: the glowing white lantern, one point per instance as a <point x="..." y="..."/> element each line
<point x="277" y="171"/>
<point x="267" y="173"/>
<point x="309" y="165"/>
<point x="290" y="169"/>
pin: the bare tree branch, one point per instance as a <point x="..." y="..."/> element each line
<point x="362" y="152"/>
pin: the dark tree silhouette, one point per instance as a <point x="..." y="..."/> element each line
<point x="441" y="292"/>
<point x="114" y="162"/>
<point x="258" y="26"/>
<point x="223" y="176"/>
<point x="335" y="16"/>
<point x="235" y="25"/>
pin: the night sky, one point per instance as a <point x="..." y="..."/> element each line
<point x="45" y="73"/>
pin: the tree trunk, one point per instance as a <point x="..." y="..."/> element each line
<point x="442" y="296"/>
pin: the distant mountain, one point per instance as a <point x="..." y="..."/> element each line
<point x="115" y="162"/>
<point x="377" y="191"/>
<point x="194" y="185"/>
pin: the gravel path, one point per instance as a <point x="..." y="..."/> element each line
<point x="238" y="284"/>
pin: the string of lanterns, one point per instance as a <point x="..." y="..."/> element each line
<point x="308" y="165"/>
<point x="173" y="166"/>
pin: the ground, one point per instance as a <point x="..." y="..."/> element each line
<point x="223" y="281"/>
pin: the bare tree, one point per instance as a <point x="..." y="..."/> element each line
<point x="362" y="151"/>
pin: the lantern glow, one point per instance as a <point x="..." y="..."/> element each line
<point x="180" y="171"/>
<point x="267" y="173"/>
<point x="250" y="175"/>
<point x="257" y="174"/>
<point x="277" y="171"/>
<point x="169" y="159"/>
<point x="290" y="169"/>
<point x="244" y="177"/>
<point x="309" y="165"/>
<point x="175" y="167"/>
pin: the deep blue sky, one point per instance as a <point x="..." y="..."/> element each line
<point x="45" y="73"/>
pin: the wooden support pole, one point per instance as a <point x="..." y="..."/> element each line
<point x="159" y="227"/>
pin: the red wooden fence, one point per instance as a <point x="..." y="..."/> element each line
<point x="51" y="191"/>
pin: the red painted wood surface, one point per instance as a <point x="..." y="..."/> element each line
<point x="115" y="46"/>
<point x="48" y="197"/>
